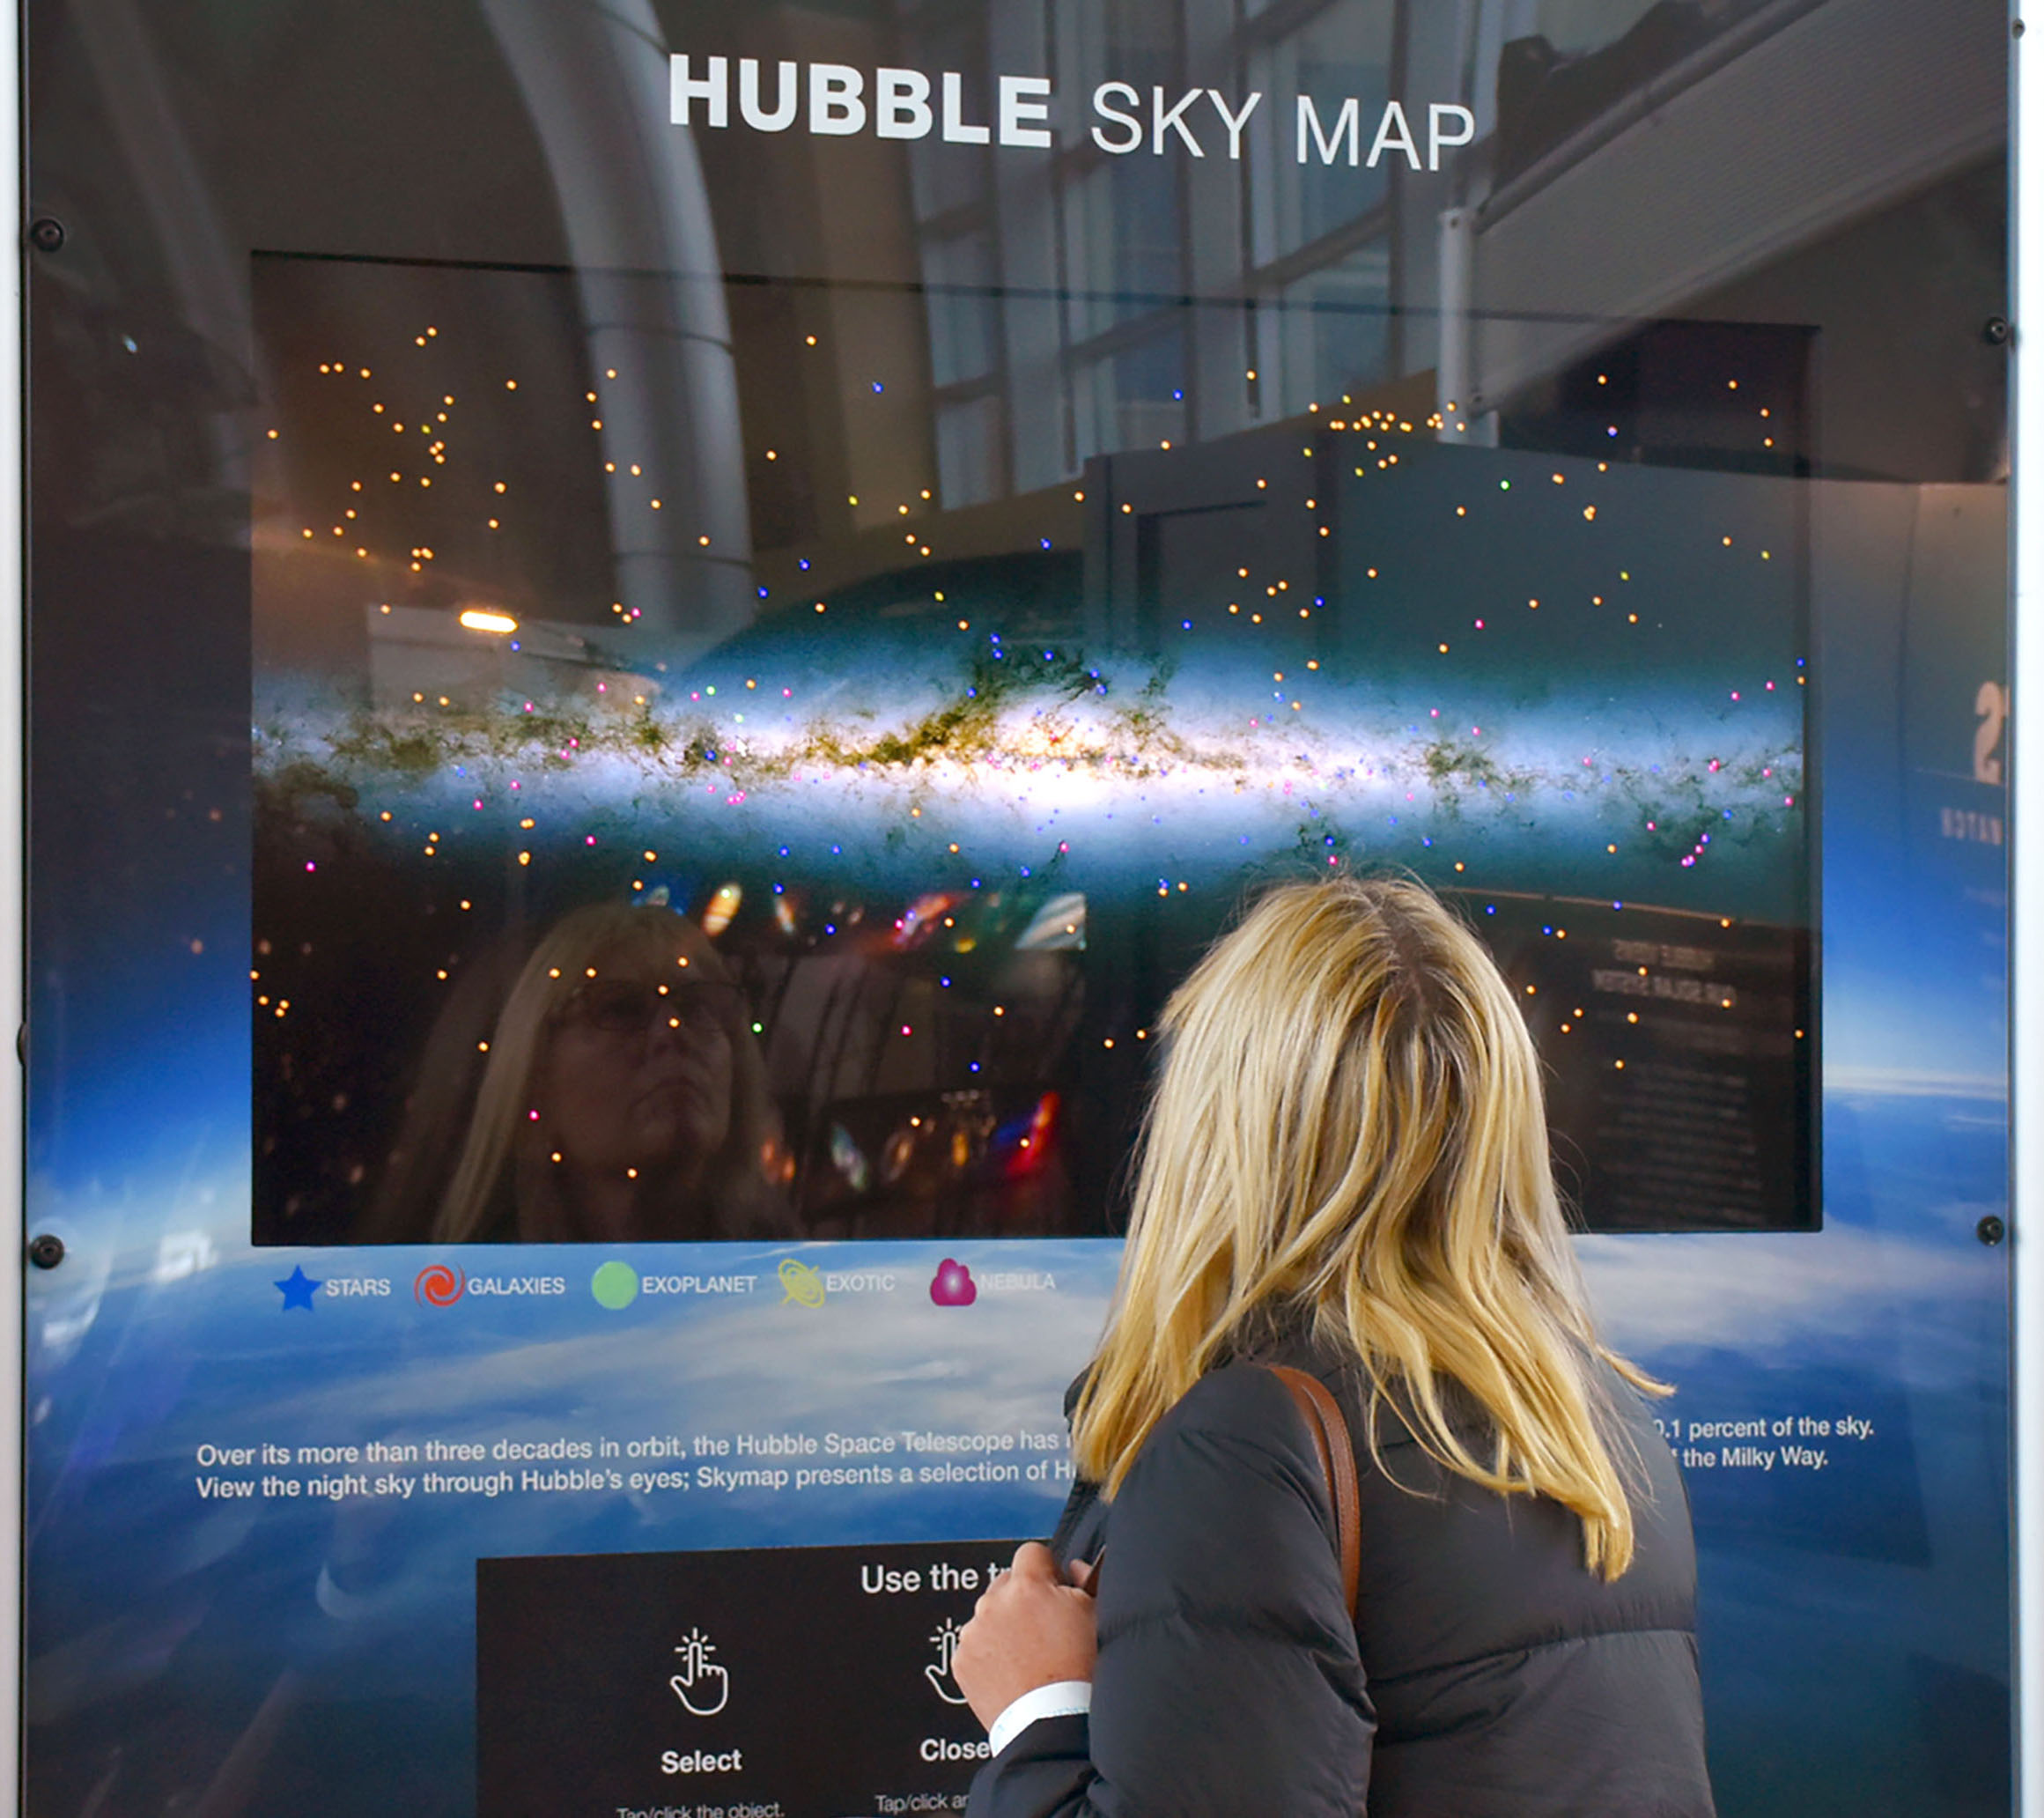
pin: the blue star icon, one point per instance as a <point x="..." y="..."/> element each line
<point x="298" y="1289"/>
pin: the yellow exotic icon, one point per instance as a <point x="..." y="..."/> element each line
<point x="801" y="1283"/>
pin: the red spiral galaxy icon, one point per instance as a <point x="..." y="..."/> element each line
<point x="438" y="1285"/>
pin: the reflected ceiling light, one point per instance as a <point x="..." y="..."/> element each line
<point x="477" y="619"/>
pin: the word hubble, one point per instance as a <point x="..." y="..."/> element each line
<point x="837" y="100"/>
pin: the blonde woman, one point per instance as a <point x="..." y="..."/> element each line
<point x="1345" y="1170"/>
<point x="620" y="1099"/>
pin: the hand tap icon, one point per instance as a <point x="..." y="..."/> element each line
<point x="701" y="1685"/>
<point x="945" y="1640"/>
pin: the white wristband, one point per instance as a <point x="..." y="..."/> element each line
<point x="1067" y="1697"/>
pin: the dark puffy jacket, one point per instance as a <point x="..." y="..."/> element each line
<point x="1487" y="1675"/>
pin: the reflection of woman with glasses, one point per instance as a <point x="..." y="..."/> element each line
<point x="623" y="1097"/>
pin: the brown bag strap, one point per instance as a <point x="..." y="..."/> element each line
<point x="1322" y="1416"/>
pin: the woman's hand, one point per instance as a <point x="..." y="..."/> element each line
<point x="1028" y="1629"/>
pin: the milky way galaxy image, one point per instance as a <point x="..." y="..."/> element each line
<point x="956" y="818"/>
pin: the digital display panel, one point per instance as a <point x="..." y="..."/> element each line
<point x="848" y="910"/>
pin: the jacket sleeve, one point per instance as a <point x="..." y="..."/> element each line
<point x="1227" y="1683"/>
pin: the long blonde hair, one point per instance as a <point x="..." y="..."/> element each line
<point x="1349" y="1132"/>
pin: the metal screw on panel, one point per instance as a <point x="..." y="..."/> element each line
<point x="1995" y="331"/>
<point x="47" y="235"/>
<point x="1990" y="1231"/>
<point x="47" y="1250"/>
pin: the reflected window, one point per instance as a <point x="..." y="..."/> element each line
<point x="1343" y="56"/>
<point x="1134" y="398"/>
<point x="968" y="465"/>
<point x="1123" y="224"/>
<point x="963" y="325"/>
<point x="1333" y="328"/>
<point x="947" y="176"/>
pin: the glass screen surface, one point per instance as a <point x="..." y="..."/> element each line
<point x="655" y="639"/>
<point x="899" y="879"/>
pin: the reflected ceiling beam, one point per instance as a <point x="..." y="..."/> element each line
<point x="1850" y="106"/>
<point x="637" y="216"/>
<point x="208" y="278"/>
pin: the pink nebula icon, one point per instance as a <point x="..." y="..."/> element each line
<point x="952" y="1285"/>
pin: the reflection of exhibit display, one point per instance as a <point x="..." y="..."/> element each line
<point x="833" y="1645"/>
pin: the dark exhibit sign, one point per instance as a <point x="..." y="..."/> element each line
<point x="789" y="1683"/>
